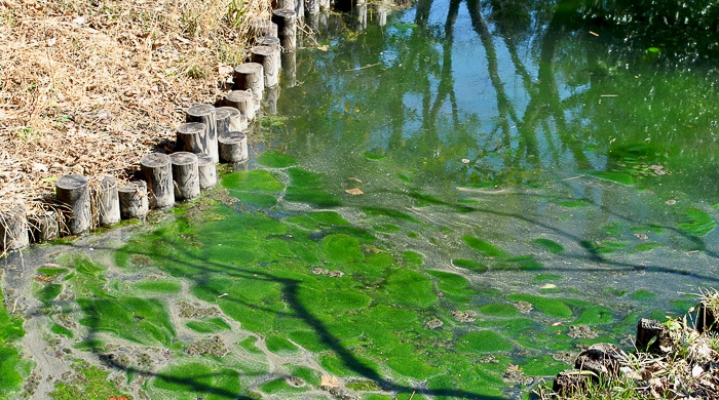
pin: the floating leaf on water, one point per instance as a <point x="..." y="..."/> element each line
<point x="697" y="223"/>
<point x="549" y="286"/>
<point x="354" y="191"/>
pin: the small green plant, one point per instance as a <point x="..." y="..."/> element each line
<point x="27" y="133"/>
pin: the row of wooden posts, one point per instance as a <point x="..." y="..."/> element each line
<point x="210" y="134"/>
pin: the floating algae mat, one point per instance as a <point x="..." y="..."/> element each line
<point x="446" y="201"/>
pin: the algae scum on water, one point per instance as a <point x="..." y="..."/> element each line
<point x="420" y="225"/>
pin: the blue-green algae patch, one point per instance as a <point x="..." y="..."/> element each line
<point x="256" y="180"/>
<point x="472" y="265"/>
<point x="13" y="369"/>
<point x="209" y="325"/>
<point x="185" y="380"/>
<point x="697" y="223"/>
<point x="550" y="245"/>
<point x="157" y="287"/>
<point x="277" y="343"/>
<point x="145" y="321"/>
<point x="484" y="247"/>
<point x="552" y="307"/>
<point x="483" y="342"/>
<point x="273" y="159"/>
<point x="90" y="382"/>
<point x="499" y="310"/>
<point x="643" y="295"/>
<point x="613" y="176"/>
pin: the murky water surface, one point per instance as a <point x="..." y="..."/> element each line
<point x="445" y="193"/>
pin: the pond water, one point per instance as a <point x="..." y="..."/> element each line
<point x="451" y="201"/>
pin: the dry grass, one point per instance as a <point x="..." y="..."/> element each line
<point x="89" y="87"/>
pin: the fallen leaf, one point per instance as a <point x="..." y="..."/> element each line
<point x="465" y="161"/>
<point x="355" y="180"/>
<point x="355" y="191"/>
<point x="557" y="323"/>
<point x="549" y="286"/>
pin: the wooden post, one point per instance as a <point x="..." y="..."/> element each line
<point x="73" y="192"/>
<point x="233" y="147"/>
<point x="312" y="7"/>
<point x="44" y="226"/>
<point x="205" y="114"/>
<point x="222" y="116"/>
<point x="289" y="66"/>
<point x="250" y="76"/>
<point x="360" y="12"/>
<point x="107" y="201"/>
<point x="271" y="41"/>
<point x="14" y="234"/>
<point x="185" y="175"/>
<point x="238" y="122"/>
<point x="313" y="21"/>
<point x="261" y="28"/>
<point x="188" y="137"/>
<point x="269" y="58"/>
<point x="273" y="95"/>
<point x="133" y="200"/>
<point x="243" y="101"/>
<point x="158" y="173"/>
<point x="298" y="6"/>
<point x="207" y="171"/>
<point x="286" y="21"/>
<point x="383" y="11"/>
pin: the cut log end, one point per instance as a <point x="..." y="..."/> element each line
<point x="14" y="234"/>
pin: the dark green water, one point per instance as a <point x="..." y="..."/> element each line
<point x="525" y="188"/>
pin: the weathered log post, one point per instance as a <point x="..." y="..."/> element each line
<point x="157" y="169"/>
<point x="207" y="171"/>
<point x="273" y="95"/>
<point x="107" y="202"/>
<point x="298" y="6"/>
<point x="261" y="28"/>
<point x="238" y="122"/>
<point x="233" y="147"/>
<point x="44" y="226"/>
<point x="222" y="116"/>
<point x="188" y="137"/>
<point x="205" y="114"/>
<point x="312" y="7"/>
<point x="286" y="21"/>
<point x="73" y="192"/>
<point x="289" y="66"/>
<point x="243" y="101"/>
<point x="133" y="200"/>
<point x="269" y="57"/>
<point x="313" y="22"/>
<point x="14" y="234"/>
<point x="250" y="76"/>
<point x="360" y="14"/>
<point x="185" y="175"/>
<point x="271" y="41"/>
<point x="382" y="19"/>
